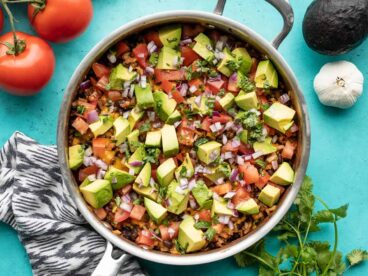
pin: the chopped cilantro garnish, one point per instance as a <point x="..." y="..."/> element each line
<point x="245" y="83"/>
<point x="181" y="249"/>
<point x="199" y="142"/>
<point x="261" y="163"/>
<point x="233" y="64"/>
<point x="202" y="224"/>
<point x="81" y="109"/>
<point x="117" y="201"/>
<point x="145" y="127"/>
<point x="183" y="171"/>
<point x="138" y="201"/>
<point x="152" y="155"/>
<point x="210" y="234"/>
<point x="153" y="59"/>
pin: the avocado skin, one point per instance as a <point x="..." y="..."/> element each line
<point x="335" y="27"/>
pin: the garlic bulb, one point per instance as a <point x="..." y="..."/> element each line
<point x="339" y="84"/>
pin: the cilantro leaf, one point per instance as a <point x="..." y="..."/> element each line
<point x="210" y="233"/>
<point x="357" y="256"/>
<point x="145" y="127"/>
<point x="202" y="224"/>
<point x="200" y="141"/>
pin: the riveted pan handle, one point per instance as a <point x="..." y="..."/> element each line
<point x="283" y="7"/>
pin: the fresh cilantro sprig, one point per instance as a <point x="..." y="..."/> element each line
<point x="299" y="255"/>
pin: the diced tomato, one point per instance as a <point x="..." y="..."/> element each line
<point x="108" y="156"/>
<point x="102" y="83"/>
<point x="153" y="36"/>
<point x="189" y="55"/>
<point x="288" y="150"/>
<point x="215" y="86"/>
<point x="240" y="195"/>
<point x="271" y="131"/>
<point x="154" y="174"/>
<point x="205" y="125"/>
<point x="177" y="96"/>
<point x="262" y="181"/>
<point x="114" y="96"/>
<point x="229" y="147"/>
<point x="137" y="212"/>
<point x="190" y="30"/>
<point x="253" y="68"/>
<point x="250" y="173"/>
<point x="205" y="215"/>
<point x="80" y="125"/>
<point x="83" y="173"/>
<point x="198" y="83"/>
<point x="218" y="228"/>
<point x="222" y="189"/>
<point x="218" y="107"/>
<point x="99" y="146"/>
<point x="126" y="189"/>
<point x="100" y="213"/>
<point x="122" y="48"/>
<point x="164" y="232"/>
<point x="174" y="225"/>
<point x="145" y="238"/>
<point x="88" y="107"/>
<point x="222" y="118"/>
<point x="100" y="70"/>
<point x="168" y="86"/>
<point x="244" y="150"/>
<point x="120" y="215"/>
<point x="232" y="84"/>
<point x="185" y="134"/>
<point x="172" y="75"/>
<point x="141" y="53"/>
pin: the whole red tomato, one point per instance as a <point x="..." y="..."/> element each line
<point x="61" y="20"/>
<point x="1" y="20"/>
<point x="28" y="72"/>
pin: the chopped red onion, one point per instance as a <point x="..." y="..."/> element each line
<point x="89" y="161"/>
<point x="85" y="85"/>
<point x="229" y="195"/>
<point x="126" y="198"/>
<point x="220" y="45"/>
<point x="234" y="174"/>
<point x="186" y="41"/>
<point x="179" y="190"/>
<point x="235" y="143"/>
<point x="224" y="219"/>
<point x="242" y="183"/>
<point x="229" y="125"/>
<point x="247" y="157"/>
<point x="230" y="205"/>
<point x="193" y="204"/>
<point x="124" y="94"/>
<point x="234" y="77"/>
<point x="213" y="128"/>
<point x="101" y="174"/>
<point x="151" y="47"/>
<point x="239" y="160"/>
<point x="197" y="101"/>
<point x="193" y="154"/>
<point x="176" y="124"/>
<point x="131" y="91"/>
<point x="228" y="155"/>
<point x="284" y="98"/>
<point x="216" y="113"/>
<point x="136" y="163"/>
<point x="127" y="84"/>
<point x="218" y="125"/>
<point x="215" y="196"/>
<point x="183" y="89"/>
<point x="92" y="116"/>
<point x="274" y="164"/>
<point x="217" y="78"/>
<point x="111" y="57"/>
<point x="91" y="177"/>
<point x="235" y="213"/>
<point x="155" y="236"/>
<point x="126" y="206"/>
<point x="131" y="172"/>
<point x="88" y="151"/>
<point x="294" y="128"/>
<point x="151" y="115"/>
<point x="171" y="232"/>
<point x="192" y="88"/>
<point x="149" y="70"/>
<point x="133" y="196"/>
<point x="196" y="217"/>
<point x="257" y="154"/>
<point x="213" y="155"/>
<point x="141" y="55"/>
<point x="157" y="125"/>
<point x="274" y="139"/>
<point x="224" y="139"/>
<point x="231" y="225"/>
<point x="183" y="183"/>
<point x="101" y="164"/>
<point x="143" y="81"/>
<point x="220" y="181"/>
<point x="192" y="183"/>
<point x="152" y="182"/>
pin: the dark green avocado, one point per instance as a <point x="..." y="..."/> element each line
<point x="334" y="27"/>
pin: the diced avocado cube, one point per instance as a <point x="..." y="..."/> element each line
<point x="85" y="183"/>
<point x="248" y="207"/>
<point x="144" y="96"/>
<point x="170" y="144"/>
<point x="227" y="101"/>
<point x="98" y="193"/>
<point x="242" y="55"/>
<point x="279" y="116"/>
<point x="118" y="75"/>
<point x="76" y="156"/>
<point x="219" y="207"/>
<point x="137" y="156"/>
<point x="243" y="136"/>
<point x="134" y="116"/>
<point x="170" y="35"/>
<point x="156" y="211"/>
<point x="202" y="108"/>
<point x="148" y="192"/>
<point x="168" y="59"/>
<point x="185" y="170"/>
<point x="265" y="147"/>
<point x="189" y="237"/>
<point x="246" y="101"/>
<point x="178" y="201"/>
<point x="218" y="172"/>
<point x="165" y="172"/>
<point x="202" y="195"/>
<point x="174" y="117"/>
<point x="101" y="126"/>
<point x="118" y="178"/>
<point x="222" y="67"/>
<point x="164" y="106"/>
<point x="122" y="129"/>
<point x="153" y="139"/>
<point x="284" y="175"/>
<point x="204" y="47"/>
<point x="269" y="195"/>
<point x="209" y="152"/>
<point x="144" y="177"/>
<point x="133" y="141"/>
<point x="266" y="75"/>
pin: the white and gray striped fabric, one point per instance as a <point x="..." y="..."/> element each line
<point x="36" y="203"/>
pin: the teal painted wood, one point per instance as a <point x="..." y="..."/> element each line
<point x="338" y="163"/>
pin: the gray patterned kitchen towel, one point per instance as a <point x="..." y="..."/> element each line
<point x="36" y="203"/>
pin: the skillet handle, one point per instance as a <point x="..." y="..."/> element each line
<point x="283" y="7"/>
<point x="109" y="266"/>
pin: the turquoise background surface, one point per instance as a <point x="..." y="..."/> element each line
<point x="338" y="163"/>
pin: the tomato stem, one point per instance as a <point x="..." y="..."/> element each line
<point x="19" y="45"/>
